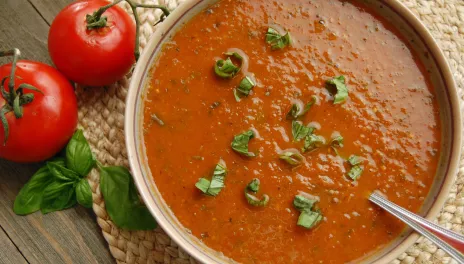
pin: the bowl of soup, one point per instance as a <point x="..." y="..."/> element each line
<point x="257" y="129"/>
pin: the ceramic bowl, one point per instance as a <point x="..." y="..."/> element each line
<point x="419" y="39"/>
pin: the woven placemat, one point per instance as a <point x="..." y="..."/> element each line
<point x="101" y="115"/>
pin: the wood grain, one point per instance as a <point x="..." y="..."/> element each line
<point x="70" y="236"/>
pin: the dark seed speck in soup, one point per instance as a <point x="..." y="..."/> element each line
<point x="389" y="120"/>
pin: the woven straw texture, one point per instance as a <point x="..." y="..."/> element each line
<point x="101" y="115"/>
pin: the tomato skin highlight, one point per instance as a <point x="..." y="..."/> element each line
<point x="49" y="120"/>
<point x="94" y="57"/>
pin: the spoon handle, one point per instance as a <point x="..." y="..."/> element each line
<point x="450" y="242"/>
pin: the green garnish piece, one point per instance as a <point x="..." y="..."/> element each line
<point x="354" y="160"/>
<point x="253" y="186"/>
<point x="355" y="172"/>
<point x="295" y="111"/>
<point x="240" y="143"/>
<point x="292" y="158"/>
<point x="337" y="142"/>
<point x="276" y="40"/>
<point x="213" y="187"/>
<point x="226" y="68"/>
<point x="337" y="86"/>
<point x="308" y="218"/>
<point x="300" y="131"/>
<point x="244" y="88"/>
<point x="312" y="142"/>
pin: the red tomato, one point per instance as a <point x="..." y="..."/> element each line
<point x="48" y="122"/>
<point x="94" y="57"/>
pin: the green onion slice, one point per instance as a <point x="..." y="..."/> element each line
<point x="240" y="143"/>
<point x="337" y="87"/>
<point x="276" y="40"/>
<point x="253" y="187"/>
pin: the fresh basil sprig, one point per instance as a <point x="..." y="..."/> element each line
<point x="337" y="87"/>
<point x="61" y="184"/>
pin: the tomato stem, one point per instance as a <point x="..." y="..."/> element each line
<point x="96" y="20"/>
<point x="16" y="98"/>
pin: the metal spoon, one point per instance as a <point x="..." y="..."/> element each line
<point x="449" y="241"/>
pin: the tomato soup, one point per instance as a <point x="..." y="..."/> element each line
<point x="388" y="119"/>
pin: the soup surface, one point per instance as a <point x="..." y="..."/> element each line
<point x="390" y="119"/>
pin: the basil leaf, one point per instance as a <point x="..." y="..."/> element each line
<point x="300" y="131"/>
<point x="122" y="202"/>
<point x="79" y="157"/>
<point x="302" y="203"/>
<point x="355" y="172"/>
<point x="253" y="186"/>
<point x="276" y="40"/>
<point x="226" y="68"/>
<point x="57" y="196"/>
<point x="309" y="219"/>
<point x="84" y="193"/>
<point x="292" y="158"/>
<point x="337" y="142"/>
<point x="244" y="88"/>
<point x="337" y="86"/>
<point x="312" y="142"/>
<point x="240" y="143"/>
<point x="354" y="160"/>
<point x="295" y="111"/>
<point x="61" y="173"/>
<point x="203" y="185"/>
<point x="217" y="182"/>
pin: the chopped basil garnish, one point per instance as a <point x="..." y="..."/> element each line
<point x="355" y="172"/>
<point x="240" y="143"/>
<point x="337" y="142"/>
<point x="312" y="142"/>
<point x="308" y="218"/>
<point x="244" y="88"/>
<point x="226" y="68"/>
<point x="253" y="187"/>
<point x="337" y="87"/>
<point x="300" y="131"/>
<point x="276" y="40"/>
<point x="354" y="160"/>
<point x="216" y="184"/>
<point x="295" y="112"/>
<point x="292" y="158"/>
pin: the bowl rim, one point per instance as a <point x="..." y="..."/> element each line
<point x="144" y="64"/>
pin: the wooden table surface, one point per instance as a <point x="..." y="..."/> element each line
<point x="70" y="236"/>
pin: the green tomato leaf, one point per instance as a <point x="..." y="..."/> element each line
<point x="276" y="40"/>
<point x="57" y="196"/>
<point x="240" y="143"/>
<point x="84" y="193"/>
<point x="79" y="157"/>
<point x="61" y="173"/>
<point x="122" y="202"/>
<point x="337" y="87"/>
